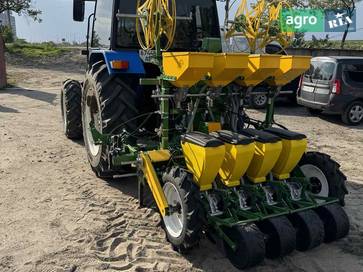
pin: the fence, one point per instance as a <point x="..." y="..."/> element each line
<point x="324" y="52"/>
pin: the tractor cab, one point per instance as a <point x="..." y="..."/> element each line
<point x="113" y="24"/>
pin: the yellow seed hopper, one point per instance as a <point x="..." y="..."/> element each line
<point x="204" y="156"/>
<point x="239" y="153"/>
<point x="290" y="68"/>
<point x="228" y="67"/>
<point x="293" y="147"/>
<point x="268" y="148"/>
<point x="188" y="68"/>
<point x="260" y="68"/>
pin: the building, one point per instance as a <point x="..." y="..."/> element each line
<point x="4" y="21"/>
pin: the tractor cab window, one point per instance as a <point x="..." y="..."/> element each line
<point x="189" y="33"/>
<point x="102" y="26"/>
<point x="126" y="26"/>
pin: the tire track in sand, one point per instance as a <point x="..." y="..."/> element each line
<point x="130" y="238"/>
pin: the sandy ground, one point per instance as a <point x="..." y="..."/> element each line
<point x="55" y="215"/>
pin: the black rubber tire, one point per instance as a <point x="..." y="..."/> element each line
<point x="346" y="118"/>
<point x="309" y="229"/>
<point x="192" y="207"/>
<point x="115" y="102"/>
<point x="71" y="97"/>
<point x="280" y="236"/>
<point x="254" y="100"/>
<point x="250" y="243"/>
<point x="292" y="99"/>
<point x="314" y="112"/>
<point x="336" y="222"/>
<point x="331" y="170"/>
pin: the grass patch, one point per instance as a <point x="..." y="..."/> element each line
<point x="35" y="50"/>
<point x="349" y="44"/>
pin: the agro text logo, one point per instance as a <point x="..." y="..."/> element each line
<point x="316" y="20"/>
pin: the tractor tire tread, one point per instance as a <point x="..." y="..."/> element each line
<point x="72" y="94"/>
<point x="117" y="107"/>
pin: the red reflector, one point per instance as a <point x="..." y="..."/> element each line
<point x="337" y="87"/>
<point x="119" y="64"/>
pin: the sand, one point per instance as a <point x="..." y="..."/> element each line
<point x="55" y="215"/>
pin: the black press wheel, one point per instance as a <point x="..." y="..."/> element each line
<point x="71" y="97"/>
<point x="353" y="114"/>
<point x="183" y="226"/>
<point x="324" y="175"/>
<point x="309" y="229"/>
<point x="250" y="244"/>
<point x="280" y="236"/>
<point x="109" y="102"/>
<point x="336" y="222"/>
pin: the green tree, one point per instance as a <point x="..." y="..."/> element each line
<point x="21" y="7"/>
<point x="299" y="40"/>
<point x="7" y="34"/>
<point x="320" y="43"/>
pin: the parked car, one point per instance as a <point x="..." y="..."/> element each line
<point x="258" y="98"/>
<point x="334" y="85"/>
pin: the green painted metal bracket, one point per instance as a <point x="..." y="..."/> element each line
<point x="150" y="81"/>
<point x="163" y="79"/>
<point x="99" y="138"/>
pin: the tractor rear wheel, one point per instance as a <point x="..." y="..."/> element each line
<point x="109" y="103"/>
<point x="281" y="236"/>
<point x="309" y="229"/>
<point x="184" y="224"/>
<point x="250" y="246"/>
<point x="336" y="222"/>
<point x="71" y="97"/>
<point x="324" y="175"/>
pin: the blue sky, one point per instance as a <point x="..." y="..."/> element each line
<point x="58" y="24"/>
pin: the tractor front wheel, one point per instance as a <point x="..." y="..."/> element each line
<point x="71" y="96"/>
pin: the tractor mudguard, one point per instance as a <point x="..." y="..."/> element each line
<point x="132" y="58"/>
